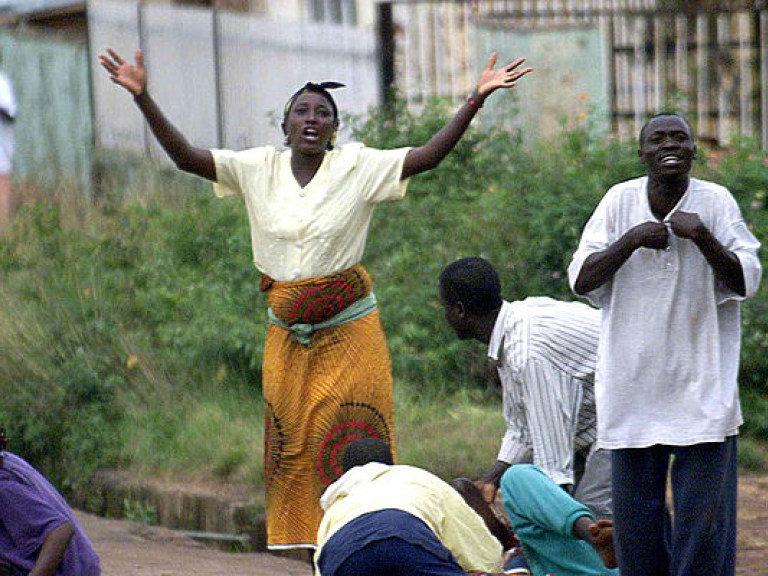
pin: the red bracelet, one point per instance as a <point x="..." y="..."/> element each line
<point x="472" y="102"/>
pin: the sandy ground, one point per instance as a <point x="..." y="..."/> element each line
<point x="130" y="549"/>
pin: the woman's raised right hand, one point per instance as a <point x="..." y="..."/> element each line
<point x="132" y="77"/>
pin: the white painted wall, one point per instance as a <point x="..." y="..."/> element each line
<point x="262" y="61"/>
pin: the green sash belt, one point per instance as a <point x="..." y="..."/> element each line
<point x="302" y="333"/>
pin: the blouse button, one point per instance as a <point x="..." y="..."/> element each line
<point x="298" y="244"/>
<point x="296" y="272"/>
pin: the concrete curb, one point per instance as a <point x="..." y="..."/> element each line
<point x="232" y="519"/>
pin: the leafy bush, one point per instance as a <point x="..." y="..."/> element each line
<point x="132" y="329"/>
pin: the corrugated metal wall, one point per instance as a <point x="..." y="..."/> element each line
<point x="628" y="58"/>
<point x="221" y="77"/>
<point x="442" y="46"/>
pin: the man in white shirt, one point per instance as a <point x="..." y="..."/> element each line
<point x="545" y="352"/>
<point x="667" y="258"/>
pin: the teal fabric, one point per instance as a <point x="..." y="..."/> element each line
<point x="542" y="515"/>
<point x="302" y="333"/>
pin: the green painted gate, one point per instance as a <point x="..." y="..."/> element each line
<point x="54" y="129"/>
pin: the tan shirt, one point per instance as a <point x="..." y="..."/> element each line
<point x="299" y="233"/>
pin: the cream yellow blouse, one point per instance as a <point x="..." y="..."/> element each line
<point x="299" y="233"/>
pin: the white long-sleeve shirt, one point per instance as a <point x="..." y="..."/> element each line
<point x="545" y="352"/>
<point x="670" y="336"/>
<point x="7" y="129"/>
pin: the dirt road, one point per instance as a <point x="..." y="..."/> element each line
<point x="129" y="549"/>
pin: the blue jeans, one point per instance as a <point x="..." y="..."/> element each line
<point x="542" y="515"/>
<point x="702" y="539"/>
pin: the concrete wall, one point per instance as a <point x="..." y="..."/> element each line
<point x="568" y="84"/>
<point x="221" y="77"/>
<point x="283" y="10"/>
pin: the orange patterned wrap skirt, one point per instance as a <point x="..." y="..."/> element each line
<point x="318" y="397"/>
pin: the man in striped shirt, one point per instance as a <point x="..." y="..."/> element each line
<point x="545" y="352"/>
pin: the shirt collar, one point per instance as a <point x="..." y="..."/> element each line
<point x="348" y="481"/>
<point x="496" y="344"/>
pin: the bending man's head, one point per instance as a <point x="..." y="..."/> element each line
<point x="469" y="288"/>
<point x="365" y="451"/>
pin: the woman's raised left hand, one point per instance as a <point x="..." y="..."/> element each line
<point x="505" y="77"/>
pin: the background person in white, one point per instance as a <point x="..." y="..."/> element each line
<point x="667" y="259"/>
<point x="545" y="352"/>
<point x="8" y="110"/>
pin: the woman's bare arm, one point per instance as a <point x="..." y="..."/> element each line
<point x="133" y="77"/>
<point x="432" y="153"/>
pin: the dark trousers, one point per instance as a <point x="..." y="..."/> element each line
<point x="702" y="538"/>
<point x="396" y="557"/>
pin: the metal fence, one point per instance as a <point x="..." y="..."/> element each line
<point x="441" y="47"/>
<point x="221" y="77"/>
<point x="708" y="59"/>
<point x="711" y="64"/>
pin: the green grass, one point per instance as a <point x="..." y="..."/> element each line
<point x="451" y="435"/>
<point x="218" y="437"/>
<point x="132" y="328"/>
<point x="217" y="434"/>
<point x="753" y="454"/>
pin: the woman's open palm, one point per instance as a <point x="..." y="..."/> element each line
<point x="505" y="77"/>
<point x="132" y="77"/>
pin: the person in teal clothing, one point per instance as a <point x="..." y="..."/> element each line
<point x="560" y="535"/>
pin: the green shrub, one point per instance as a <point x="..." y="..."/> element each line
<point x="133" y="328"/>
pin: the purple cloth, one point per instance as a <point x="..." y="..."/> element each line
<point x="30" y="508"/>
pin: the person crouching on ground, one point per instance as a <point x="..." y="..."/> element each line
<point x="39" y="534"/>
<point x="559" y="535"/>
<point x="382" y="518"/>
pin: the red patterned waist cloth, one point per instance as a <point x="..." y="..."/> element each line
<point x="316" y="300"/>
